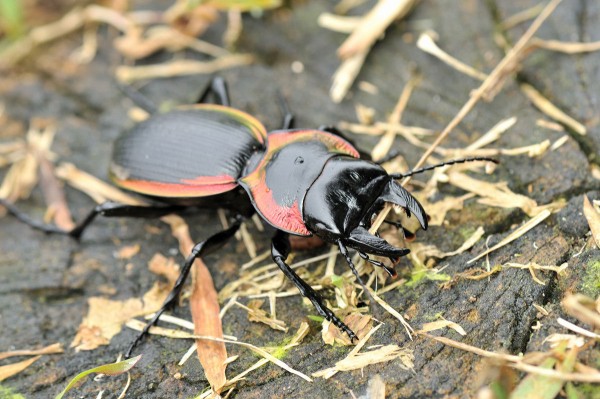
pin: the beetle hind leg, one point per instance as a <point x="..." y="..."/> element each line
<point x="280" y="250"/>
<point x="106" y="209"/>
<point x="205" y="247"/>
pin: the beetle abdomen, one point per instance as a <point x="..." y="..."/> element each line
<point x="190" y="152"/>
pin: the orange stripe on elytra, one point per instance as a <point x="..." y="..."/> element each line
<point x="170" y="190"/>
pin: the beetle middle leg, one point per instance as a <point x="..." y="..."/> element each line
<point x="280" y="249"/>
<point x="211" y="244"/>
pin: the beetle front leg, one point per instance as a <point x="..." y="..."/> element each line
<point x="280" y="249"/>
<point x="203" y="248"/>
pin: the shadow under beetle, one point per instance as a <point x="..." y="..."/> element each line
<point x="301" y="181"/>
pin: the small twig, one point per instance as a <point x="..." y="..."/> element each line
<point x="129" y="74"/>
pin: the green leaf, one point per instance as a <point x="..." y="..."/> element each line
<point x="11" y="18"/>
<point x="108" y="369"/>
<point x="536" y="386"/>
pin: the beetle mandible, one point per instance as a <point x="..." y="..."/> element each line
<point x="301" y="181"/>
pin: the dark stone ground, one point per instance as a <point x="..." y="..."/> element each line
<point x="45" y="280"/>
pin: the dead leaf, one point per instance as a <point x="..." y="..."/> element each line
<point x="165" y="267"/>
<point x="106" y="317"/>
<point x="50" y="349"/>
<point x="593" y="218"/>
<point x="256" y="314"/>
<point x="15" y="368"/>
<point x="360" y="324"/>
<point x="128" y="252"/>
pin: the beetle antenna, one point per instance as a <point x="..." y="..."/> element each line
<point x="455" y="161"/>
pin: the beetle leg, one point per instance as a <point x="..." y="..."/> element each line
<point x="218" y="88"/>
<point x="138" y="98"/>
<point x="280" y="249"/>
<point x="346" y="254"/>
<point x="203" y="248"/>
<point x="288" y="118"/>
<point x="106" y="209"/>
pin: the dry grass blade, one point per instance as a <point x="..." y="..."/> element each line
<point x="530" y="224"/>
<point x="532" y="266"/>
<point x="494" y="194"/>
<point x="72" y="21"/>
<point x="357" y="360"/>
<point x="518" y="362"/>
<point x="337" y="23"/>
<point x="355" y="49"/>
<point x="393" y="312"/>
<point x="165" y="332"/>
<point x="372" y="26"/>
<point x="426" y="251"/>
<point x="296" y="339"/>
<point x="98" y="190"/>
<point x="544" y="105"/>
<point x="490" y="85"/>
<point x="384" y="145"/>
<point x="438" y="325"/>
<point x="345" y="75"/>
<point x="575" y="328"/>
<point x="521" y="17"/>
<point x="127" y="74"/>
<point x="592" y="215"/>
<point x="47" y="350"/>
<point x="15" y="368"/>
<point x="22" y="176"/>
<point x="566" y="47"/>
<point x="426" y="43"/>
<point x="583" y="308"/>
<point x="256" y="314"/>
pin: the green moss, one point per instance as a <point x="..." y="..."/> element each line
<point x="466" y="231"/>
<point x="425" y="274"/>
<point x="7" y="393"/>
<point x="588" y="391"/>
<point x="590" y="284"/>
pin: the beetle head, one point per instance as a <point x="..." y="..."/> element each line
<point x="341" y="203"/>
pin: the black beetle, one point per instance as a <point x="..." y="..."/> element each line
<point x="302" y="182"/>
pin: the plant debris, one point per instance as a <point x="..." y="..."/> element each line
<point x="365" y="32"/>
<point x="357" y="360"/>
<point x="592" y="215"/>
<point x="108" y="369"/>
